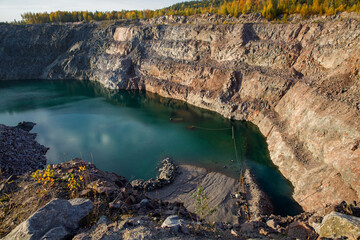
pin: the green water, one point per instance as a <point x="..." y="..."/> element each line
<point x="130" y="132"/>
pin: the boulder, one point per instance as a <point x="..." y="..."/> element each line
<point x="117" y="204"/>
<point x="168" y="171"/>
<point x="144" y="202"/>
<point x="174" y="223"/>
<point x="57" y="233"/>
<point x="251" y="226"/>
<point x="26" y="126"/>
<point x="140" y="232"/>
<point x="335" y="225"/>
<point x="103" y="187"/>
<point x="272" y="223"/>
<point x="57" y="218"/>
<point x="138" y="184"/>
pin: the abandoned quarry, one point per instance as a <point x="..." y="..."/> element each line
<point x="286" y="95"/>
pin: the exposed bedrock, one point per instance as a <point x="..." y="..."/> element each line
<point x="298" y="82"/>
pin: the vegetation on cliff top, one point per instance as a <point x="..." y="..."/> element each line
<point x="270" y="9"/>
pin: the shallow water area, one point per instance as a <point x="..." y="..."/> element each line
<point x="131" y="132"/>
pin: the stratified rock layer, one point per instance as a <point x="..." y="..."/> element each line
<point x="299" y="81"/>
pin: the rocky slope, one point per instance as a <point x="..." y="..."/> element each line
<point x="298" y="81"/>
<point x="18" y="146"/>
<point x="110" y="207"/>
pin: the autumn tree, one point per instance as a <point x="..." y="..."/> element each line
<point x="270" y="9"/>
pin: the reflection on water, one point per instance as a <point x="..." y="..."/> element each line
<point x="130" y="132"/>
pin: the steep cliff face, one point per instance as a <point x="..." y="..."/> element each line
<point x="299" y="82"/>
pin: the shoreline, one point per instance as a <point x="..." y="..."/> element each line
<point x="19" y="150"/>
<point x="113" y="196"/>
<point x="223" y="193"/>
<point x="170" y="176"/>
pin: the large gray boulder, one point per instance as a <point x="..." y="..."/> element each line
<point x="56" y="220"/>
<point x="336" y="225"/>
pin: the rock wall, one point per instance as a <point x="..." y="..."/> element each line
<point x="298" y="81"/>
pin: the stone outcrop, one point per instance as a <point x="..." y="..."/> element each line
<point x="56" y="220"/>
<point x="298" y="82"/>
<point x="337" y="225"/>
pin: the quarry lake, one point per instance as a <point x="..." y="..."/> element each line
<point x="131" y="132"/>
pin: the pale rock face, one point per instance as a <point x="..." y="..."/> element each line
<point x="298" y="82"/>
<point x="123" y="34"/>
<point x="120" y="49"/>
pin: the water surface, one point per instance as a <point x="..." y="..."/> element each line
<point x="131" y="132"/>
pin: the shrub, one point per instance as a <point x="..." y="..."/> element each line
<point x="75" y="180"/>
<point x="45" y="179"/>
<point x="202" y="208"/>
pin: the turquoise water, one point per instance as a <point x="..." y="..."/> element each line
<point x="130" y="132"/>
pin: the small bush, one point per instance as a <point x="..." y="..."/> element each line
<point x="75" y="180"/>
<point x="202" y="208"/>
<point x="46" y="179"/>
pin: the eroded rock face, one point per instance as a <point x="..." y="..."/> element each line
<point x="298" y="82"/>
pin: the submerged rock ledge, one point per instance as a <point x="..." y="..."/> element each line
<point x="298" y="82"/>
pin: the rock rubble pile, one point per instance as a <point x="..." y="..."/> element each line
<point x="167" y="174"/>
<point x="19" y="151"/>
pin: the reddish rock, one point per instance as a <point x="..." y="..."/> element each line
<point x="298" y="230"/>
